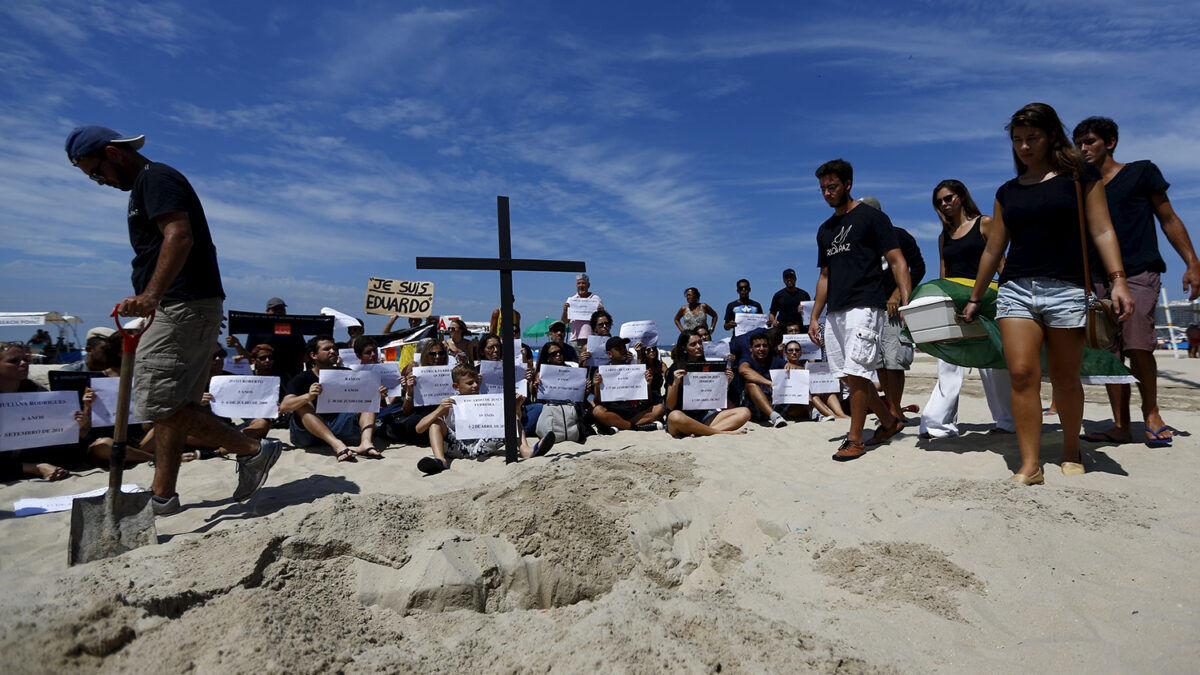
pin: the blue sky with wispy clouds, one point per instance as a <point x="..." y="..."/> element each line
<point x="667" y="146"/>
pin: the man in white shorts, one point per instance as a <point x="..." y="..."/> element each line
<point x="849" y="246"/>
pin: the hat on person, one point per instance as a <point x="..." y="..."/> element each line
<point x="789" y="272"/>
<point x="871" y="202"/>
<point x="614" y="342"/>
<point x="90" y="138"/>
<point x="276" y="302"/>
<point x="561" y="326"/>
<point x="99" y="332"/>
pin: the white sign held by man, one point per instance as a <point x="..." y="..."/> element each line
<point x="789" y="386"/>
<point x="348" y="391"/>
<point x="744" y="323"/>
<point x="580" y="309"/>
<point x="598" y="355"/>
<point x="433" y="383"/>
<point x="478" y="416"/>
<point x="38" y="419"/>
<point x="245" y="396"/>
<point x="562" y="383"/>
<point x="622" y="383"/>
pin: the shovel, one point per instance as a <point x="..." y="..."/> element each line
<point x="110" y="524"/>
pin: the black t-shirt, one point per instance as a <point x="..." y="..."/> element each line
<point x="912" y="255"/>
<point x="1043" y="228"/>
<point x="158" y="190"/>
<point x="961" y="256"/>
<point x="298" y="386"/>
<point x="785" y="305"/>
<point x="739" y="307"/>
<point x="1132" y="214"/>
<point x="850" y="246"/>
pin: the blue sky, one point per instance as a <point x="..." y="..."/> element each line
<point x="667" y="146"/>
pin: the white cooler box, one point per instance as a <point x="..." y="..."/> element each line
<point x="933" y="319"/>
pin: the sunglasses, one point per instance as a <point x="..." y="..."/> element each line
<point x="947" y="199"/>
<point x="438" y="355"/>
<point x="94" y="174"/>
<point x="268" y="357"/>
<point x="551" y="355"/>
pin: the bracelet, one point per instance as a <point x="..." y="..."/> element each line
<point x="975" y="302"/>
<point x="1117" y="275"/>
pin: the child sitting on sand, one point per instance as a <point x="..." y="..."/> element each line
<point x="440" y="425"/>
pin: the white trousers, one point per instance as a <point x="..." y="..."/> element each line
<point x="940" y="415"/>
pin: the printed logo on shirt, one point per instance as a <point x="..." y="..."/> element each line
<point x="133" y="213"/>
<point x="745" y="309"/>
<point x="839" y="242"/>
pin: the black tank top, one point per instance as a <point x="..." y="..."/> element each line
<point x="962" y="255"/>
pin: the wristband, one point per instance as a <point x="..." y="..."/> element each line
<point x="974" y="302"/>
<point x="1117" y="275"/>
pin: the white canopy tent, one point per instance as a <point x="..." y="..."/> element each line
<point x="36" y="318"/>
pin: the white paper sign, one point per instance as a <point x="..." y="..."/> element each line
<point x="562" y="383"/>
<point x="245" y="396"/>
<point x="820" y="380"/>
<point x="348" y="391"/>
<point x="236" y="366"/>
<point x="433" y="383"/>
<point x="645" y="332"/>
<point x="598" y="355"/>
<point x="622" y="383"/>
<point x="478" y="416"/>
<point x="32" y="506"/>
<point x="492" y="374"/>
<point x="715" y="351"/>
<point x="389" y="375"/>
<point x="348" y="357"/>
<point x="789" y="386"/>
<point x="38" y="419"/>
<point x="580" y="309"/>
<point x="705" y="391"/>
<point x="744" y="323"/>
<point x="104" y="407"/>
<point x="518" y="354"/>
<point x="806" y="309"/>
<point x="809" y="350"/>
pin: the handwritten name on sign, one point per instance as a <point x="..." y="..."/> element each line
<point x="399" y="298"/>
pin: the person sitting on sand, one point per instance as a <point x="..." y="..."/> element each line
<point x="440" y="426"/>
<point x="683" y="423"/>
<point x="458" y="343"/>
<point x="755" y="370"/>
<point x="309" y="427"/>
<point x="402" y="426"/>
<point x="41" y="462"/>
<point x="637" y="415"/>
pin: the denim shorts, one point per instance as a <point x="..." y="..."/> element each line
<point x="1050" y="302"/>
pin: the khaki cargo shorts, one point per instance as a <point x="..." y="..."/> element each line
<point x="175" y="355"/>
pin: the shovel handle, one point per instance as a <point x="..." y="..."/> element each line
<point x="129" y="340"/>
<point x="116" y="458"/>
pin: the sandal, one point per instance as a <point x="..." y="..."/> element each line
<point x="430" y="465"/>
<point x="369" y="453"/>
<point x="346" y="455"/>
<point x="59" y="474"/>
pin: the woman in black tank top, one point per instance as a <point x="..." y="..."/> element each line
<point x="961" y="244"/>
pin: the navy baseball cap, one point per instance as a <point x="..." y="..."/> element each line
<point x="615" y="343"/>
<point x="90" y="138"/>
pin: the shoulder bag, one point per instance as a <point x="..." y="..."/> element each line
<point x="1102" y="330"/>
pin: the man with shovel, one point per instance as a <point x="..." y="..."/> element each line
<point x="175" y="277"/>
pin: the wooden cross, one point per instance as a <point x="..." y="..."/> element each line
<point x="506" y="264"/>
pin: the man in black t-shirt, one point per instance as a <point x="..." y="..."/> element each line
<point x="1137" y="194"/>
<point x="785" y="304"/>
<point x="308" y="427"/>
<point x="849" y="246"/>
<point x="743" y="305"/>
<point x="176" y="278"/>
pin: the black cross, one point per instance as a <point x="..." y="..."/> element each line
<point x="506" y="264"/>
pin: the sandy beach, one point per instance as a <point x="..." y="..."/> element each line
<point x="640" y="553"/>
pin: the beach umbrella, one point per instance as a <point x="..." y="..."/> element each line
<point x="539" y="329"/>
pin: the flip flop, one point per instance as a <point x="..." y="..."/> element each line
<point x="59" y="474"/>
<point x="1157" y="442"/>
<point x="430" y="466"/>
<point x="1101" y="437"/>
<point x="370" y="453"/>
<point x="543" y="446"/>
<point x="346" y="455"/>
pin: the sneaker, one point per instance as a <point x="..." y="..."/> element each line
<point x="164" y="507"/>
<point x="253" y="469"/>
<point x="849" y="450"/>
<point x="777" y="420"/>
<point x="649" y="426"/>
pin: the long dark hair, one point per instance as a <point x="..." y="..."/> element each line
<point x="1064" y="157"/>
<point x="679" y="352"/>
<point x="964" y="196"/>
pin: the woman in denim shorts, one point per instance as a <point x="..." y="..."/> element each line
<point x="1041" y="298"/>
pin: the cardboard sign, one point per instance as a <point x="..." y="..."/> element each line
<point x="622" y="383"/>
<point x="245" y="396"/>
<point x="562" y="383"/>
<point x="478" y="416"/>
<point x="581" y="309"/>
<point x="744" y="323"/>
<point x="645" y="332"/>
<point x="38" y="419"/>
<point x="789" y="386"/>
<point x="433" y="383"/>
<point x="399" y="298"/>
<point x="389" y="375"/>
<point x="492" y="375"/>
<point x="820" y="380"/>
<point x="809" y="350"/>
<point x="705" y="391"/>
<point x="348" y="391"/>
<point x="104" y="407"/>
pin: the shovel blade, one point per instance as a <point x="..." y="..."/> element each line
<point x="109" y="525"/>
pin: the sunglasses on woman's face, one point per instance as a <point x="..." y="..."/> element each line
<point x="438" y="355"/>
<point x="551" y="355"/>
<point x="948" y="199"/>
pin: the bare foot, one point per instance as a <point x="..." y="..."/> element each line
<point x="1111" y="435"/>
<point x="736" y="432"/>
<point x="52" y="473"/>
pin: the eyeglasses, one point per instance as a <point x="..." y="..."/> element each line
<point x="551" y="355"/>
<point x="743" y="288"/>
<point x="264" y="357"/>
<point x="94" y="174"/>
<point x="557" y="330"/>
<point x="947" y="199"/>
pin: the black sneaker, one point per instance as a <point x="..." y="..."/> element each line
<point x="253" y="469"/>
<point x="649" y="426"/>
